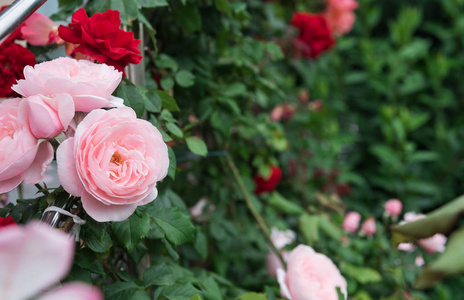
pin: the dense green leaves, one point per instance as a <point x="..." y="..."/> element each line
<point x="132" y="98"/>
<point x="130" y="231"/>
<point x="176" y="225"/>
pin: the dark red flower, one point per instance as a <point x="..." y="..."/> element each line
<point x="100" y="38"/>
<point x="8" y="221"/>
<point x="13" y="59"/>
<point x="263" y="185"/>
<point x="314" y="36"/>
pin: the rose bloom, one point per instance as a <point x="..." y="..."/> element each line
<point x="35" y="257"/>
<point x="13" y="59"/>
<point x="340" y="15"/>
<point x="393" y="207"/>
<point x="22" y="156"/>
<point x="310" y="276"/>
<point x="48" y="116"/>
<point x="351" y="221"/>
<point x="39" y="30"/>
<point x="8" y="221"/>
<point x="280" y="238"/>
<point x="113" y="163"/>
<point x="314" y="36"/>
<point x="263" y="185"/>
<point x="89" y="84"/>
<point x="369" y="227"/>
<point x="100" y="38"/>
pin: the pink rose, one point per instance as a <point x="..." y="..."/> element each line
<point x="197" y="211"/>
<point x="39" y="30"/>
<point x="310" y="276"/>
<point x="48" y="116"/>
<point x="22" y="156"/>
<point x="393" y="207"/>
<point x="282" y="238"/>
<point x="33" y="258"/>
<point x="369" y="227"/>
<point x="351" y="221"/>
<point x="113" y="163"/>
<point x="273" y="262"/>
<point x="89" y="84"/>
<point x="340" y="15"/>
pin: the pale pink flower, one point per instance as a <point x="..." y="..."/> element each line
<point x="273" y="262"/>
<point x="393" y="207"/>
<point x="277" y="113"/>
<point x="89" y="84"/>
<point x="369" y="227"/>
<point x="22" y="156"/>
<point x="310" y="276"/>
<point x="48" y="116"/>
<point x="197" y="211"/>
<point x="113" y="163"/>
<point x="407" y="247"/>
<point x="419" y="261"/>
<point x="282" y="238"/>
<point x="39" y="30"/>
<point x="351" y="221"/>
<point x="35" y="257"/>
<point x="340" y="15"/>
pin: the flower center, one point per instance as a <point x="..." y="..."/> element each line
<point x="116" y="158"/>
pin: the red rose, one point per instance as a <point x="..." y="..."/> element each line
<point x="100" y="38"/>
<point x="263" y="185"/>
<point x="13" y="59"/>
<point x="8" y="221"/>
<point x="314" y="37"/>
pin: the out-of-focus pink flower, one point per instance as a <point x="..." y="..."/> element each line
<point x="48" y="116"/>
<point x="285" y="111"/>
<point x="316" y="105"/>
<point x="351" y="221"/>
<point x="121" y="168"/>
<point x="280" y="239"/>
<point x="197" y="211"/>
<point x="89" y="84"/>
<point x="419" y="261"/>
<point x="407" y="247"/>
<point x="369" y="227"/>
<point x="310" y="275"/>
<point x="33" y="258"/>
<point x="39" y="30"/>
<point x="22" y="156"/>
<point x="340" y="15"/>
<point x="273" y="262"/>
<point x="393" y="207"/>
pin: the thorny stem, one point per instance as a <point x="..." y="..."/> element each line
<point x="253" y="210"/>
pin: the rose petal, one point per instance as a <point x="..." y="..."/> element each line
<point x="67" y="173"/>
<point x="39" y="166"/>
<point x="74" y="291"/>
<point x="105" y="213"/>
<point x="9" y="184"/>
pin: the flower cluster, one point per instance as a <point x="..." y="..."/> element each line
<point x="108" y="157"/>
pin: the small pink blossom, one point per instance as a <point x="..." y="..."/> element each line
<point x="282" y="238"/>
<point x="419" y="261"/>
<point x="33" y="258"/>
<point x="351" y="221"/>
<point x="39" y="30"/>
<point x="369" y="227"/>
<point x="197" y="211"/>
<point x="393" y="207"/>
<point x="273" y="262"/>
<point x="48" y="116"/>
<point x="22" y="155"/>
<point x="89" y="84"/>
<point x="310" y="275"/>
<point x="113" y="163"/>
<point x="340" y="15"/>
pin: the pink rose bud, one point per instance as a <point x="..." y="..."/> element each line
<point x="369" y="227"/>
<point x="282" y="238"/>
<point x="277" y="113"/>
<point x="419" y="260"/>
<point x="273" y="262"/>
<point x="351" y="222"/>
<point x="310" y="275"/>
<point x="197" y="211"/>
<point x="393" y="207"/>
<point x="433" y="244"/>
<point x="39" y="30"/>
<point x="48" y="116"/>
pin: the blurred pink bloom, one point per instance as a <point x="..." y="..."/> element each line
<point x="393" y="207"/>
<point x="340" y="15"/>
<point x="407" y="247"/>
<point x="273" y="262"/>
<point x="39" y="30"/>
<point x="369" y="227"/>
<point x="282" y="238"/>
<point x="89" y="84"/>
<point x="22" y="156"/>
<point x="285" y="111"/>
<point x="351" y="221"/>
<point x="197" y="211"/>
<point x="419" y="261"/>
<point x="33" y="258"/>
<point x="121" y="168"/>
<point x="48" y="116"/>
<point x="310" y="275"/>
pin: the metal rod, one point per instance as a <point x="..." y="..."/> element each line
<point x="15" y="14"/>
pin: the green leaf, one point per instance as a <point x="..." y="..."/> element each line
<point x="188" y="17"/>
<point x="172" y="163"/>
<point x="132" y="97"/>
<point x="362" y="275"/>
<point x="120" y="290"/>
<point x="176" y="225"/>
<point x="128" y="10"/>
<point x="222" y="5"/>
<point x="167" y="83"/>
<point x="284" y="205"/>
<point x="235" y="89"/>
<point x="130" y="231"/>
<point x="201" y="243"/>
<point x="152" y="3"/>
<point x="152" y="100"/>
<point x="159" y="275"/>
<point x="96" y="236"/>
<point x="252" y="296"/>
<point x="167" y="62"/>
<point x="309" y="227"/>
<point x="177" y="292"/>
<point x="185" y="78"/>
<point x="197" y="146"/>
<point x="167" y="101"/>
<point x="210" y="288"/>
<point x="170" y="248"/>
<point x="174" y="129"/>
